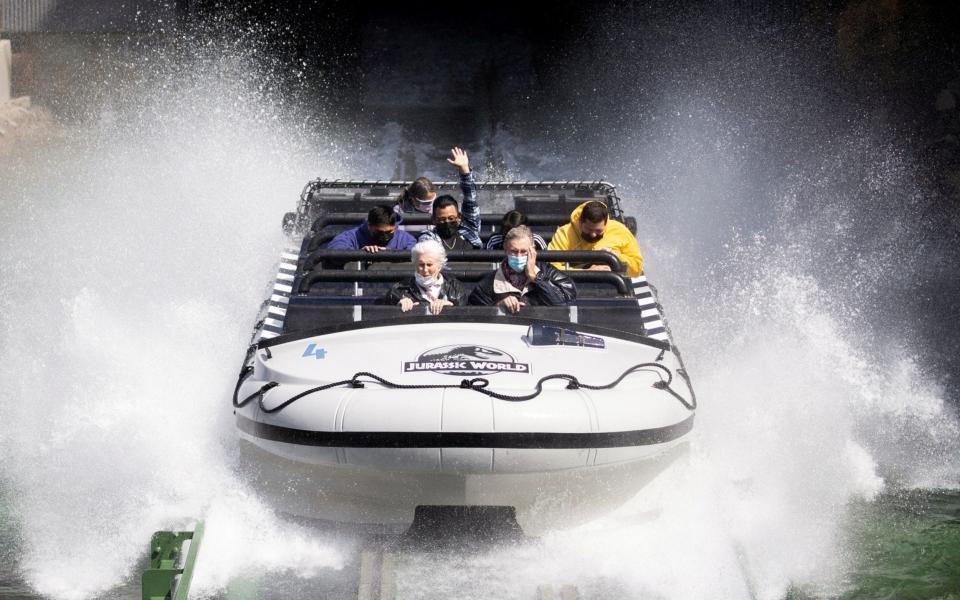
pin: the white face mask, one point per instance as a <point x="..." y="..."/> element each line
<point x="423" y="281"/>
<point x="424" y="206"/>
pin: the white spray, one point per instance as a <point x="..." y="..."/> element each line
<point x="133" y="260"/>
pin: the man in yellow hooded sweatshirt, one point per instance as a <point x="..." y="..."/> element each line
<point x="590" y="228"/>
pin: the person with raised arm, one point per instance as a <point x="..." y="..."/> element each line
<point x="457" y="229"/>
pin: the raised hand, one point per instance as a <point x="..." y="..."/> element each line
<point x="460" y="160"/>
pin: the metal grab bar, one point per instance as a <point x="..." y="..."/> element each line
<point x="600" y="186"/>
<point x="489" y="256"/>
<point x="617" y="281"/>
<point x="425" y="219"/>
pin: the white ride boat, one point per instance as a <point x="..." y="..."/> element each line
<point x="353" y="411"/>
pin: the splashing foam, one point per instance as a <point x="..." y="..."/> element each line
<point x="803" y="412"/>
<point x="807" y="407"/>
<point x="134" y="254"/>
<point x="791" y="416"/>
<point x="133" y="258"/>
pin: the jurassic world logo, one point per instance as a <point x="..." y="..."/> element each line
<point x="466" y="360"/>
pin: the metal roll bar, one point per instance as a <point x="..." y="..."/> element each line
<point x="315" y="185"/>
<point x="338" y="276"/>
<point x="354" y="218"/>
<point x="488" y="256"/>
<point x="600" y="186"/>
<point x="424" y="219"/>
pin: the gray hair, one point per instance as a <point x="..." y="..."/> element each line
<point x="430" y="247"/>
<point x="520" y="231"/>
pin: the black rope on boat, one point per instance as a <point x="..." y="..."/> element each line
<point x="477" y="384"/>
<point x="354" y="382"/>
<point x="693" y="395"/>
<point x="246" y="372"/>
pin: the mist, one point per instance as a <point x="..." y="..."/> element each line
<point x="792" y="234"/>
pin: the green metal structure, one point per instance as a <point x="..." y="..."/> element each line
<point x="170" y="572"/>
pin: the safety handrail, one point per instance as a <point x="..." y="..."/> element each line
<point x="322" y="238"/>
<point x="355" y="218"/>
<point x="337" y="276"/>
<point x="600" y="186"/>
<point x="397" y="256"/>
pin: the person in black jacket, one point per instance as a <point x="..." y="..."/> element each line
<point x="510" y="220"/>
<point x="428" y="285"/>
<point x="520" y="280"/>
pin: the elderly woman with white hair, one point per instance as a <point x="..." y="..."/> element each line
<point x="428" y="285"/>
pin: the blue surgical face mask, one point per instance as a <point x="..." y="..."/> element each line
<point x="517" y="263"/>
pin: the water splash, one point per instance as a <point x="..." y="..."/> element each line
<point x="135" y="250"/>
<point x="134" y="255"/>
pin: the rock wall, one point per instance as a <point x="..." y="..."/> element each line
<point x="20" y="121"/>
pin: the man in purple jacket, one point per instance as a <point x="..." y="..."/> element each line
<point x="378" y="232"/>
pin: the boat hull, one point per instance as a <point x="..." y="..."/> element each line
<point x="379" y="491"/>
<point x="412" y="434"/>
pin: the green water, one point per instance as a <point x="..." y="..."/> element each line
<point x="905" y="546"/>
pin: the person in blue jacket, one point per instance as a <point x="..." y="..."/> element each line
<point x="378" y="232"/>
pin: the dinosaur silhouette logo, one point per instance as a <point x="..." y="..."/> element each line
<point x="466" y="359"/>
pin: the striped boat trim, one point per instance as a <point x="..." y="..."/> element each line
<point x="649" y="309"/>
<point x="280" y="297"/>
<point x="269" y="331"/>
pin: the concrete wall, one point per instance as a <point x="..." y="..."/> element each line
<point x="85" y="16"/>
<point x="6" y="64"/>
<point x="74" y="74"/>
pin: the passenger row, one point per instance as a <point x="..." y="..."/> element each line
<point x="517" y="281"/>
<point x="590" y="226"/>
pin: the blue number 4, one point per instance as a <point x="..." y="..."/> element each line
<point x="312" y="350"/>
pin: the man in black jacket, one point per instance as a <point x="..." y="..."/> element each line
<point x="521" y="281"/>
